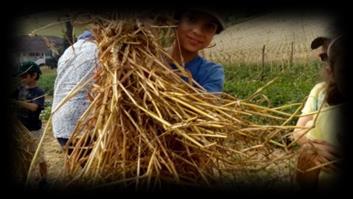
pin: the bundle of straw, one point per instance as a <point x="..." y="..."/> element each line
<point x="146" y="125"/>
<point x="23" y="153"/>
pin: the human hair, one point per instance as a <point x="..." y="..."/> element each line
<point x="336" y="84"/>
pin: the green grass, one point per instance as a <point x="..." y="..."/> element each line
<point x="46" y="80"/>
<point x="292" y="86"/>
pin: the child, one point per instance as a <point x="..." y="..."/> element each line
<point x="317" y="94"/>
<point x="30" y="101"/>
<point x="324" y="139"/>
<point x="195" y="32"/>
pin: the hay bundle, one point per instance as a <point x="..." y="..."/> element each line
<point x="24" y="150"/>
<point x="145" y="125"/>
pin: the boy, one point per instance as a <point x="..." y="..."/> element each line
<point x="195" y="32"/>
<point x="317" y="94"/>
<point x="30" y="101"/>
<point x="322" y="142"/>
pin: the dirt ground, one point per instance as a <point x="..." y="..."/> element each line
<point x="274" y="176"/>
<point x="54" y="157"/>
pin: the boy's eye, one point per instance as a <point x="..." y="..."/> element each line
<point x="323" y="56"/>
<point x="210" y="27"/>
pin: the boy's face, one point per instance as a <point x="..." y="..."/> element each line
<point x="322" y="52"/>
<point x="27" y="79"/>
<point x="195" y="31"/>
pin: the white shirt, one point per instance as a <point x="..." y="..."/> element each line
<point x="76" y="65"/>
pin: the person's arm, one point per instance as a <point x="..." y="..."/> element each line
<point x="307" y="120"/>
<point x="37" y="103"/>
<point x="327" y="153"/>
<point x="28" y="105"/>
<point x="298" y="133"/>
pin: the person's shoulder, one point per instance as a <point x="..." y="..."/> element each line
<point x="85" y="35"/>
<point x="85" y="44"/>
<point x="319" y="88"/>
<point x="210" y="64"/>
<point x="320" y="85"/>
<point x="81" y="48"/>
<point x="81" y="44"/>
<point x="37" y="90"/>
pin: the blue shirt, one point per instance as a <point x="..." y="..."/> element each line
<point x="208" y="74"/>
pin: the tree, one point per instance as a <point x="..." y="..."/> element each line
<point x="68" y="36"/>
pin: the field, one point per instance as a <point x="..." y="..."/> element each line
<point x="292" y="86"/>
<point x="279" y="38"/>
<point x="248" y="66"/>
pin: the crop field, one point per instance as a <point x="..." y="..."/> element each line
<point x="271" y="47"/>
<point x="276" y="37"/>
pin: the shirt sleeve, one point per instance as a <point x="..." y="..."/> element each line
<point x="215" y="80"/>
<point x="312" y="103"/>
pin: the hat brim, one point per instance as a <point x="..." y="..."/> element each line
<point x="218" y="19"/>
<point x="319" y="41"/>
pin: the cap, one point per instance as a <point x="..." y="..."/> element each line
<point x="220" y="22"/>
<point x="28" y="67"/>
<point x="319" y="41"/>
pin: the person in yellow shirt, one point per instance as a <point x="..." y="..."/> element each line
<point x="317" y="162"/>
<point x="318" y="92"/>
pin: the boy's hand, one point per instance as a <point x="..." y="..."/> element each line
<point x="27" y="105"/>
<point x="327" y="152"/>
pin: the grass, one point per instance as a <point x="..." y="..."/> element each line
<point x="47" y="79"/>
<point x="46" y="82"/>
<point x="292" y="86"/>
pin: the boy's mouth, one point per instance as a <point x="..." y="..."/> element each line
<point x="193" y="41"/>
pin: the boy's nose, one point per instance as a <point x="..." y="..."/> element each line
<point x="197" y="28"/>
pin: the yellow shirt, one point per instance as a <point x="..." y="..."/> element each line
<point x="315" y="98"/>
<point x="325" y="125"/>
<point x="325" y="128"/>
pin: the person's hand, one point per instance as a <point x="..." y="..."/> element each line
<point x="318" y="152"/>
<point x="309" y="124"/>
<point x="326" y="153"/>
<point x="27" y="105"/>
